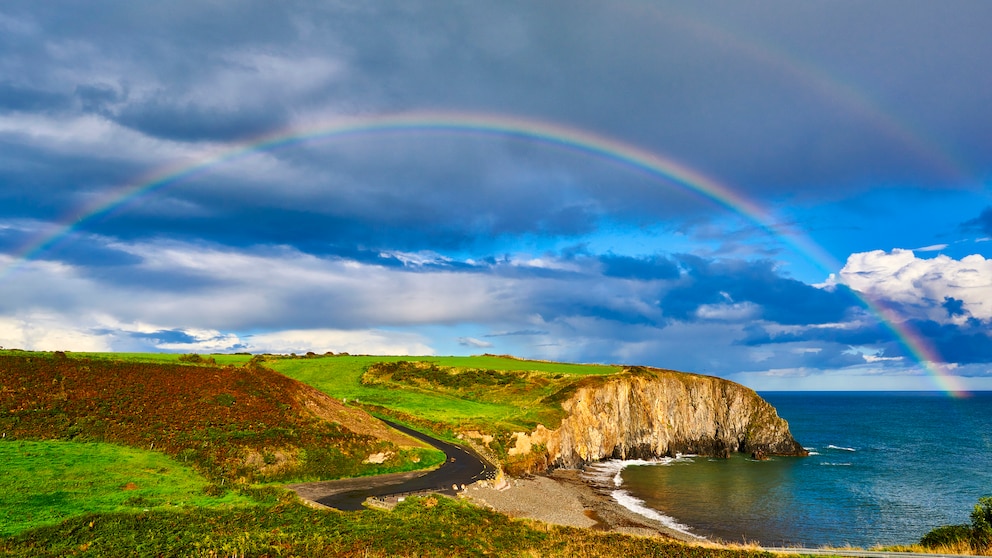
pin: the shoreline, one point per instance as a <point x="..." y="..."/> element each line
<point x="564" y="497"/>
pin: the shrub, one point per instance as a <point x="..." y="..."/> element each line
<point x="981" y="526"/>
<point x="947" y="536"/>
<point x="197" y="359"/>
<point x="977" y="535"/>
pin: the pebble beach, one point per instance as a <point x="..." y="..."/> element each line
<point x="563" y="497"/>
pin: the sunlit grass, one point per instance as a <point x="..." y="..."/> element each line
<point x="340" y="376"/>
<point x="45" y="482"/>
<point x="428" y="526"/>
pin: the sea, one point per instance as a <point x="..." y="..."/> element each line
<point x="884" y="468"/>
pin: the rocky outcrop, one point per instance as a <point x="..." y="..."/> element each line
<point x="646" y="413"/>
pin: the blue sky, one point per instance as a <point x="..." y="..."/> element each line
<point x="861" y="132"/>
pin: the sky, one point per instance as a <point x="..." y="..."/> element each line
<point x="791" y="195"/>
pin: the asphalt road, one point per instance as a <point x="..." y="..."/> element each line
<point x="462" y="467"/>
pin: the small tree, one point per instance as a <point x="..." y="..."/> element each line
<point x="981" y="526"/>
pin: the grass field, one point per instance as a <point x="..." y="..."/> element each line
<point x="45" y="482"/>
<point x="341" y="377"/>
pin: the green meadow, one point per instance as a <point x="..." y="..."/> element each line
<point x="521" y="404"/>
<point x="45" y="482"/>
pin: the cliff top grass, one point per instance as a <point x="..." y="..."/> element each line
<point x="487" y="393"/>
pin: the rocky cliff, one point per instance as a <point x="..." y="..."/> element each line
<point x="646" y="413"/>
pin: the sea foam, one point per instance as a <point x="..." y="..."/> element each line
<point x="841" y="448"/>
<point x="636" y="505"/>
<point x="608" y="474"/>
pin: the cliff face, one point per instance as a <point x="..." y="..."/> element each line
<point x="655" y="413"/>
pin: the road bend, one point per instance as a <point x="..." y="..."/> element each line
<point x="461" y="467"/>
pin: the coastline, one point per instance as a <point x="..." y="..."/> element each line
<point x="564" y="497"/>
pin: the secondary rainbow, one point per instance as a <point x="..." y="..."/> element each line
<point x="665" y="169"/>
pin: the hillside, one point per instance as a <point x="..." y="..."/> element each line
<point x="532" y="415"/>
<point x="237" y="423"/>
<point x="242" y="421"/>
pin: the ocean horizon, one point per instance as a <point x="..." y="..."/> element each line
<point x="884" y="469"/>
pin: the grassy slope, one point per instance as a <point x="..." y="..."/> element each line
<point x="231" y="423"/>
<point x="46" y="482"/>
<point x="340" y="376"/>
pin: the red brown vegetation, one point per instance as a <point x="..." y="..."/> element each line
<point x="236" y="423"/>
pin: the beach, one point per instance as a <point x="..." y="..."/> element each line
<point x="564" y="497"/>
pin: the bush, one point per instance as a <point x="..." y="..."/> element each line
<point x="978" y="535"/>
<point x="981" y="526"/>
<point x="197" y="359"/>
<point x="947" y="536"/>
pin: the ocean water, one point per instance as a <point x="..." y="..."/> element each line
<point x="884" y="468"/>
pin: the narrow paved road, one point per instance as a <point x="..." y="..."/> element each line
<point x="461" y="467"/>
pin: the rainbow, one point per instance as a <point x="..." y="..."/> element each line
<point x="815" y="79"/>
<point x="662" y="168"/>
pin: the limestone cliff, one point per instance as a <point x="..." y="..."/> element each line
<point x="646" y="413"/>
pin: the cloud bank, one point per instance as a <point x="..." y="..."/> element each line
<point x="863" y="130"/>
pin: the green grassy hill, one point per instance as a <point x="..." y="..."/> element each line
<point x="483" y="392"/>
<point x="150" y="455"/>
<point x="233" y="423"/>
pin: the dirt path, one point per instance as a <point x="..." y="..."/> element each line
<point x="462" y="467"/>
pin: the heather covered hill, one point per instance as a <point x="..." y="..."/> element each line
<point x="232" y="422"/>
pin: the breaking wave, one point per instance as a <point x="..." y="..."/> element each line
<point x="841" y="448"/>
<point x="607" y="475"/>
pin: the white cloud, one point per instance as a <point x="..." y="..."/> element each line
<point x="733" y="312"/>
<point x="932" y="248"/>
<point x="48" y="332"/>
<point x="93" y="136"/>
<point x="921" y="285"/>
<point x="373" y="342"/>
<point x="475" y="343"/>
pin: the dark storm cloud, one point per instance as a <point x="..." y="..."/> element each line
<point x="165" y="336"/>
<point x="982" y="223"/>
<point x="90" y="253"/>
<point x="963" y="344"/>
<point x="15" y="97"/>
<point x="644" y="269"/>
<point x="967" y="343"/>
<point x="191" y="122"/>
<point x="847" y="335"/>
<point x="727" y="88"/>
<point x="781" y="299"/>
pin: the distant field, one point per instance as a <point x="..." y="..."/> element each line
<point x="45" y="482"/>
<point x="221" y="359"/>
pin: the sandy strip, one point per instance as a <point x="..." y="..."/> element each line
<point x="564" y="498"/>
